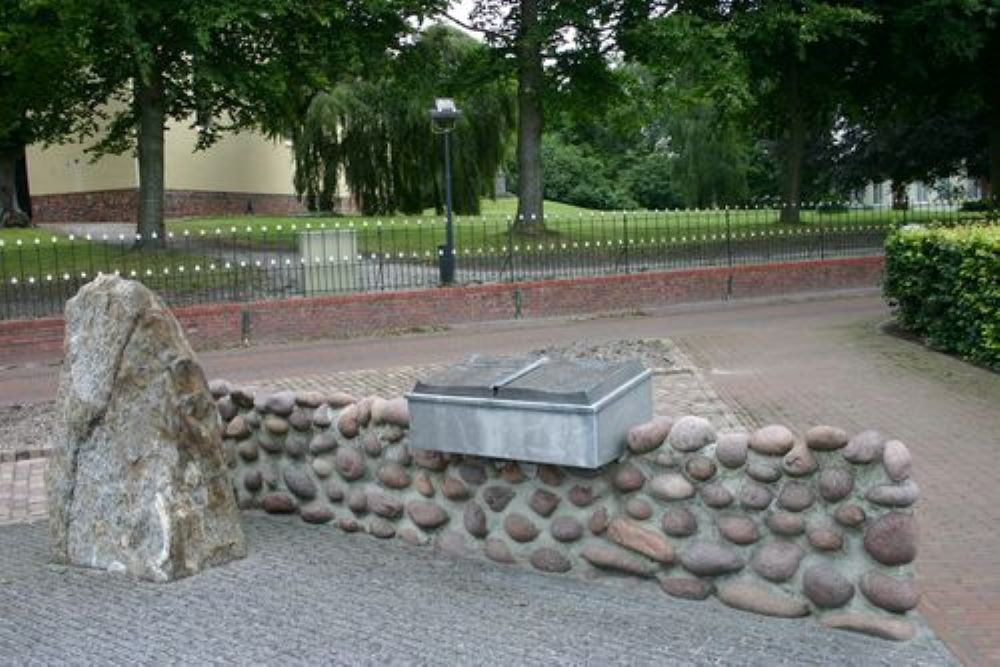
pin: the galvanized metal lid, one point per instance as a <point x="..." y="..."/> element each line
<point x="531" y="379"/>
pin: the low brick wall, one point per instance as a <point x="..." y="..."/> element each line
<point x="226" y="325"/>
<point x="771" y="522"/>
<point x="120" y="205"/>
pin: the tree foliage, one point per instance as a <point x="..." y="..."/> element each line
<point x="377" y="131"/>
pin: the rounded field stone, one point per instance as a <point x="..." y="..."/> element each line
<point x="754" y="496"/>
<point x="707" y="559"/>
<point x="252" y="419"/>
<point x="281" y="403"/>
<point x="350" y="463"/>
<point x="364" y="410"/>
<point x="543" y="502"/>
<point x="690" y="433"/>
<point x="248" y="450"/>
<point x="394" y="411"/>
<point x="322" y="417"/>
<point x="299" y="482"/>
<point x="826" y="438"/>
<point x="772" y="440"/>
<point x="598" y="522"/>
<point x="716" y="495"/>
<point x="472" y="473"/>
<point x="454" y="489"/>
<point x="835" y="484"/>
<point x="295" y="445"/>
<point x="826" y="539"/>
<point x="430" y="460"/>
<point x="422" y="483"/>
<point x="679" y="522"/>
<point x="512" y="473"/>
<point x="220" y="387"/>
<point x="629" y="534"/>
<point x="227" y="408"/>
<point x="566" y="529"/>
<point x="316" y="515"/>
<point x="895" y="629"/>
<point x="737" y="529"/>
<point x="339" y="399"/>
<point x="686" y="588"/>
<point x="453" y="543"/>
<point x="385" y="506"/>
<point x="583" y="496"/>
<point x="898" y="595"/>
<point x="864" y="447"/>
<point x="370" y="443"/>
<point x="548" y="559"/>
<point x="498" y="497"/>
<point x="237" y="427"/>
<point x="700" y="468"/>
<point x="786" y="524"/>
<point x="347" y="421"/>
<point x="897" y="460"/>
<point x="253" y="481"/>
<point x="892" y="538"/>
<point x="637" y="508"/>
<point x="647" y="437"/>
<point x="381" y="528"/>
<point x="671" y="486"/>
<point x="322" y="443"/>
<point x="393" y="476"/>
<point x="611" y="558"/>
<point x="795" y="497"/>
<point x="761" y="600"/>
<point x="474" y="520"/>
<point x="322" y="467"/>
<point x="894" y="495"/>
<point x="520" y="528"/>
<point x="731" y="449"/>
<point x="334" y="491"/>
<point x="764" y="471"/>
<point x="275" y="425"/>
<point x="799" y="462"/>
<point x="628" y="478"/>
<point x="279" y="503"/>
<point x="357" y="500"/>
<point x="299" y="420"/>
<point x="413" y="537"/>
<point x="551" y="475"/>
<point x="850" y="516"/>
<point x="777" y="561"/>
<point x="498" y="551"/>
<point x="348" y="524"/>
<point x="426" y="514"/>
<point x="826" y="587"/>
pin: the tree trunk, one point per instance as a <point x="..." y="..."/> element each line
<point x="900" y="200"/>
<point x="11" y="214"/>
<point x="22" y="188"/>
<point x="530" y="79"/>
<point x="994" y="189"/>
<point x="795" y="147"/>
<point x="150" y="107"/>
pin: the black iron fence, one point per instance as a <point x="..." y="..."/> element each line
<point x="247" y="259"/>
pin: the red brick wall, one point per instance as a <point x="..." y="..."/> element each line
<point x="221" y="325"/>
<point x="120" y="205"/>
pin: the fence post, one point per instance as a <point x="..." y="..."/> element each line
<point x="729" y="241"/>
<point x="822" y="233"/>
<point x="625" y="238"/>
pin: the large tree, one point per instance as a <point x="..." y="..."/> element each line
<point x="224" y="65"/>
<point x="43" y="83"/>
<point x="375" y="130"/>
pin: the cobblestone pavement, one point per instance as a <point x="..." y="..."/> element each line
<point x="313" y="595"/>
<point x="22" y="490"/>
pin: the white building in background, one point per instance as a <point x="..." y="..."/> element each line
<point x="945" y="191"/>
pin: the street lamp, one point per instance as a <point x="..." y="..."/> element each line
<point x="443" y="117"/>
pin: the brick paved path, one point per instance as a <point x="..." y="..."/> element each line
<point x="314" y="595"/>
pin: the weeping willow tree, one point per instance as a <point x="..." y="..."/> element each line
<point x="377" y="133"/>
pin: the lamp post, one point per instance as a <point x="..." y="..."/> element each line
<point x="443" y="117"/>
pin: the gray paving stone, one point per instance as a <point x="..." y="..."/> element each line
<point x="314" y="595"/>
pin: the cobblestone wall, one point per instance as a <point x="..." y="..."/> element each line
<point x="770" y="521"/>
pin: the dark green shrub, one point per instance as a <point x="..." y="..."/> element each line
<point x="944" y="285"/>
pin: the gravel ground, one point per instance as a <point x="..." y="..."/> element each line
<point x="25" y="427"/>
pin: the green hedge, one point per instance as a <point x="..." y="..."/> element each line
<point x="945" y="286"/>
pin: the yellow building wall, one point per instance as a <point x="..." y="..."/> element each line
<point x="67" y="169"/>
<point x="243" y="162"/>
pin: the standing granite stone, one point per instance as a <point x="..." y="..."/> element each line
<point x="137" y="482"/>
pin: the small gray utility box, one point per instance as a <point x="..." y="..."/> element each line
<point x="567" y="412"/>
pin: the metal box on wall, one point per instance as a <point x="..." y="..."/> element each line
<point x="329" y="261"/>
<point x="561" y="411"/>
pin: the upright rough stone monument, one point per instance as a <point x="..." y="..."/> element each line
<point x="138" y="482"/>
